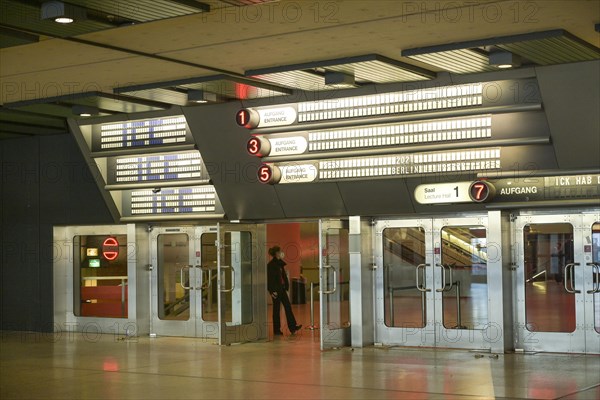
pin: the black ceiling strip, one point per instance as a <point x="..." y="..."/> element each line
<point x="101" y="110"/>
<point x="18" y="34"/>
<point x="28" y="125"/>
<point x="202" y="7"/>
<point x="137" y="100"/>
<point x="12" y="110"/>
<point x="18" y="133"/>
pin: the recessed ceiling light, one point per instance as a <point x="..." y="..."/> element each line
<point x="200" y="96"/>
<point x="504" y="59"/>
<point x="64" y="20"/>
<point x="61" y="12"/>
<point x="85" y="111"/>
<point x="339" y="79"/>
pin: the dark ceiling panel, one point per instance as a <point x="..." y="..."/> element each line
<point x="370" y="68"/>
<point x="224" y="86"/>
<point x="107" y="103"/>
<point x="26" y="118"/>
<point x="541" y="48"/>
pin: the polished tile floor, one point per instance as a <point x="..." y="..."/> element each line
<point x="40" y="366"/>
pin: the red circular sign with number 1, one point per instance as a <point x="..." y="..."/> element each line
<point x="110" y="248"/>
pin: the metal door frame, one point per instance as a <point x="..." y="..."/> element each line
<point x="256" y="329"/>
<point x="450" y="337"/>
<point x="195" y="326"/>
<point x="567" y="342"/>
<point x="433" y="334"/>
<point x="331" y="336"/>
<point x="590" y="288"/>
<point x="410" y="336"/>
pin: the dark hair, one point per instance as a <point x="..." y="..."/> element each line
<point x="274" y="250"/>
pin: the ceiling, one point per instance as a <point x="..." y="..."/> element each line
<point x="148" y="54"/>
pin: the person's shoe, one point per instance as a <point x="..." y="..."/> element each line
<point x="297" y="328"/>
<point x="278" y="333"/>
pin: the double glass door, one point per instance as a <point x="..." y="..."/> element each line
<point x="431" y="283"/>
<point x="558" y="282"/>
<point x="202" y="282"/>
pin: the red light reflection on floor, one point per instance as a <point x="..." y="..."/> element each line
<point x="110" y="365"/>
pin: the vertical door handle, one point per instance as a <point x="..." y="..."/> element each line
<point x="595" y="279"/>
<point x="421" y="287"/>
<point x="325" y="291"/>
<point x="232" y="279"/>
<point x="445" y="287"/>
<point x="181" y="277"/>
<point x="569" y="274"/>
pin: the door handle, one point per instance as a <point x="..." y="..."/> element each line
<point x="569" y="274"/>
<point x="421" y="287"/>
<point x="326" y="267"/>
<point x="596" y="283"/>
<point x="232" y="279"/>
<point x="181" y="277"/>
<point x="445" y="287"/>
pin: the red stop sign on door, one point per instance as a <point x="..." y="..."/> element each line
<point x="110" y="248"/>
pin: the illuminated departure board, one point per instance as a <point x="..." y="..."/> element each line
<point x="373" y="105"/>
<point x="399" y="165"/>
<point x="372" y="136"/>
<point x="157" y="167"/>
<point x="179" y="200"/>
<point x="165" y="131"/>
<point x="392" y="103"/>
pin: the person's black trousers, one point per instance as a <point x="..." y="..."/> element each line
<point x="282" y="298"/>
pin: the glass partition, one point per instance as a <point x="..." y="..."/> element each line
<point x="464" y="261"/>
<point x="100" y="276"/>
<point x="596" y="273"/>
<point x="548" y="254"/>
<point x="173" y="261"/>
<point x="403" y="262"/>
<point x="209" y="277"/>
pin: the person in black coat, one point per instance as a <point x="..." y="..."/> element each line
<point x="278" y="285"/>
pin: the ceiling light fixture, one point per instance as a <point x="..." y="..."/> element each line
<point x="339" y="79"/>
<point x="85" y="111"/>
<point x="200" y="96"/>
<point x="504" y="59"/>
<point x="61" y="12"/>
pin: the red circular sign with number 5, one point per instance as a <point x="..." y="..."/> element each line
<point x="268" y="173"/>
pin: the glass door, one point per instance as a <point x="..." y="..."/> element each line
<point x="334" y="282"/>
<point x="173" y="282"/>
<point x="182" y="260"/>
<point x="591" y="277"/>
<point x="240" y="275"/>
<point x="461" y="282"/>
<point x="404" y="283"/>
<point x="553" y="281"/>
<point x="431" y="282"/>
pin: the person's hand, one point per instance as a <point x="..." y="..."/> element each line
<point x="274" y="295"/>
